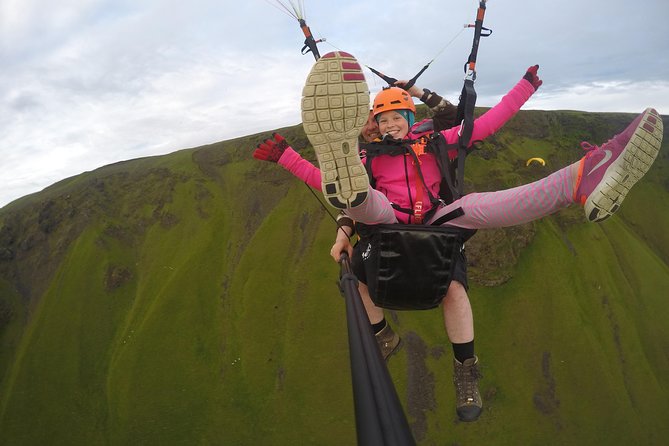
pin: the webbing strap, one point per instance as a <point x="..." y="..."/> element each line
<point x="468" y="100"/>
<point x="418" y="205"/>
<point x="391" y="80"/>
<point x="388" y="146"/>
<point x="478" y="27"/>
<point x="441" y="151"/>
<point x="433" y="200"/>
<point x="455" y="213"/>
<point x="467" y="104"/>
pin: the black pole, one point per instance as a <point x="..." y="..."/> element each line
<point x="379" y="417"/>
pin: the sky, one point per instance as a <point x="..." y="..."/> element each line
<point x="86" y="83"/>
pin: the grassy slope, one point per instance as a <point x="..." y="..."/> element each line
<point x="188" y="310"/>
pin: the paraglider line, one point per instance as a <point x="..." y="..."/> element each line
<point x="283" y="8"/>
<point x="326" y="209"/>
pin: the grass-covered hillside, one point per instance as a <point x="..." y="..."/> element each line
<point x="190" y="299"/>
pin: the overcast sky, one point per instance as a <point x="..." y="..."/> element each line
<point x="85" y="83"/>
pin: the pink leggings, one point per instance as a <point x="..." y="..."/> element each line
<point x="486" y="209"/>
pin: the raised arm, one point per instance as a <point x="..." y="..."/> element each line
<point x="277" y="150"/>
<point x="500" y="114"/>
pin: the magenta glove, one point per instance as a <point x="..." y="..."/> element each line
<point x="271" y="150"/>
<point x="532" y="77"/>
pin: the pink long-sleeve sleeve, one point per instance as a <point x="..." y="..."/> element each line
<point x="492" y="120"/>
<point x="301" y="168"/>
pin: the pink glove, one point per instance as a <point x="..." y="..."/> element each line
<point x="271" y="150"/>
<point x="532" y="77"/>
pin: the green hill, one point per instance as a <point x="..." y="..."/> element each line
<point x="190" y="299"/>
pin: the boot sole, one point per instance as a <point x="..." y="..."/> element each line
<point x="632" y="164"/>
<point x="335" y="107"/>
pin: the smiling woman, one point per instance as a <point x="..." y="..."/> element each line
<point x="394" y="111"/>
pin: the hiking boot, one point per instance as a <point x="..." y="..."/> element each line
<point x="606" y="173"/>
<point x="466" y="376"/>
<point x="335" y="107"/>
<point x="388" y="341"/>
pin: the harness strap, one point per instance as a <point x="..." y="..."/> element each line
<point x="391" y="80"/>
<point x="455" y="213"/>
<point x="397" y="147"/>
<point x="426" y="216"/>
<point x="418" y="205"/>
<point x="467" y="103"/>
<point x="440" y="149"/>
<point x="386" y="147"/>
<point x="468" y="97"/>
<point x="436" y="145"/>
<point x="433" y="200"/>
<point x="419" y="148"/>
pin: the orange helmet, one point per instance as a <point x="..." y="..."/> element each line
<point x="393" y="98"/>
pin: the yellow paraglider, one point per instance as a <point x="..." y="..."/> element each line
<point x="538" y="160"/>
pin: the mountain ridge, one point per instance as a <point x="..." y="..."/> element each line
<point x="189" y="298"/>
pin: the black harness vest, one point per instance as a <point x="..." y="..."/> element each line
<point x="409" y="267"/>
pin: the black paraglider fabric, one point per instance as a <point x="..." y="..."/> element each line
<point x="459" y="269"/>
<point x="409" y="267"/>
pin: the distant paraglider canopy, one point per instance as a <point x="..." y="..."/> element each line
<point x="535" y="160"/>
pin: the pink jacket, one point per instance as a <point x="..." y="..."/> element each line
<point x="400" y="184"/>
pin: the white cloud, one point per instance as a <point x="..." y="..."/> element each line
<point x="28" y="26"/>
<point x="85" y="83"/>
<point x="622" y="96"/>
